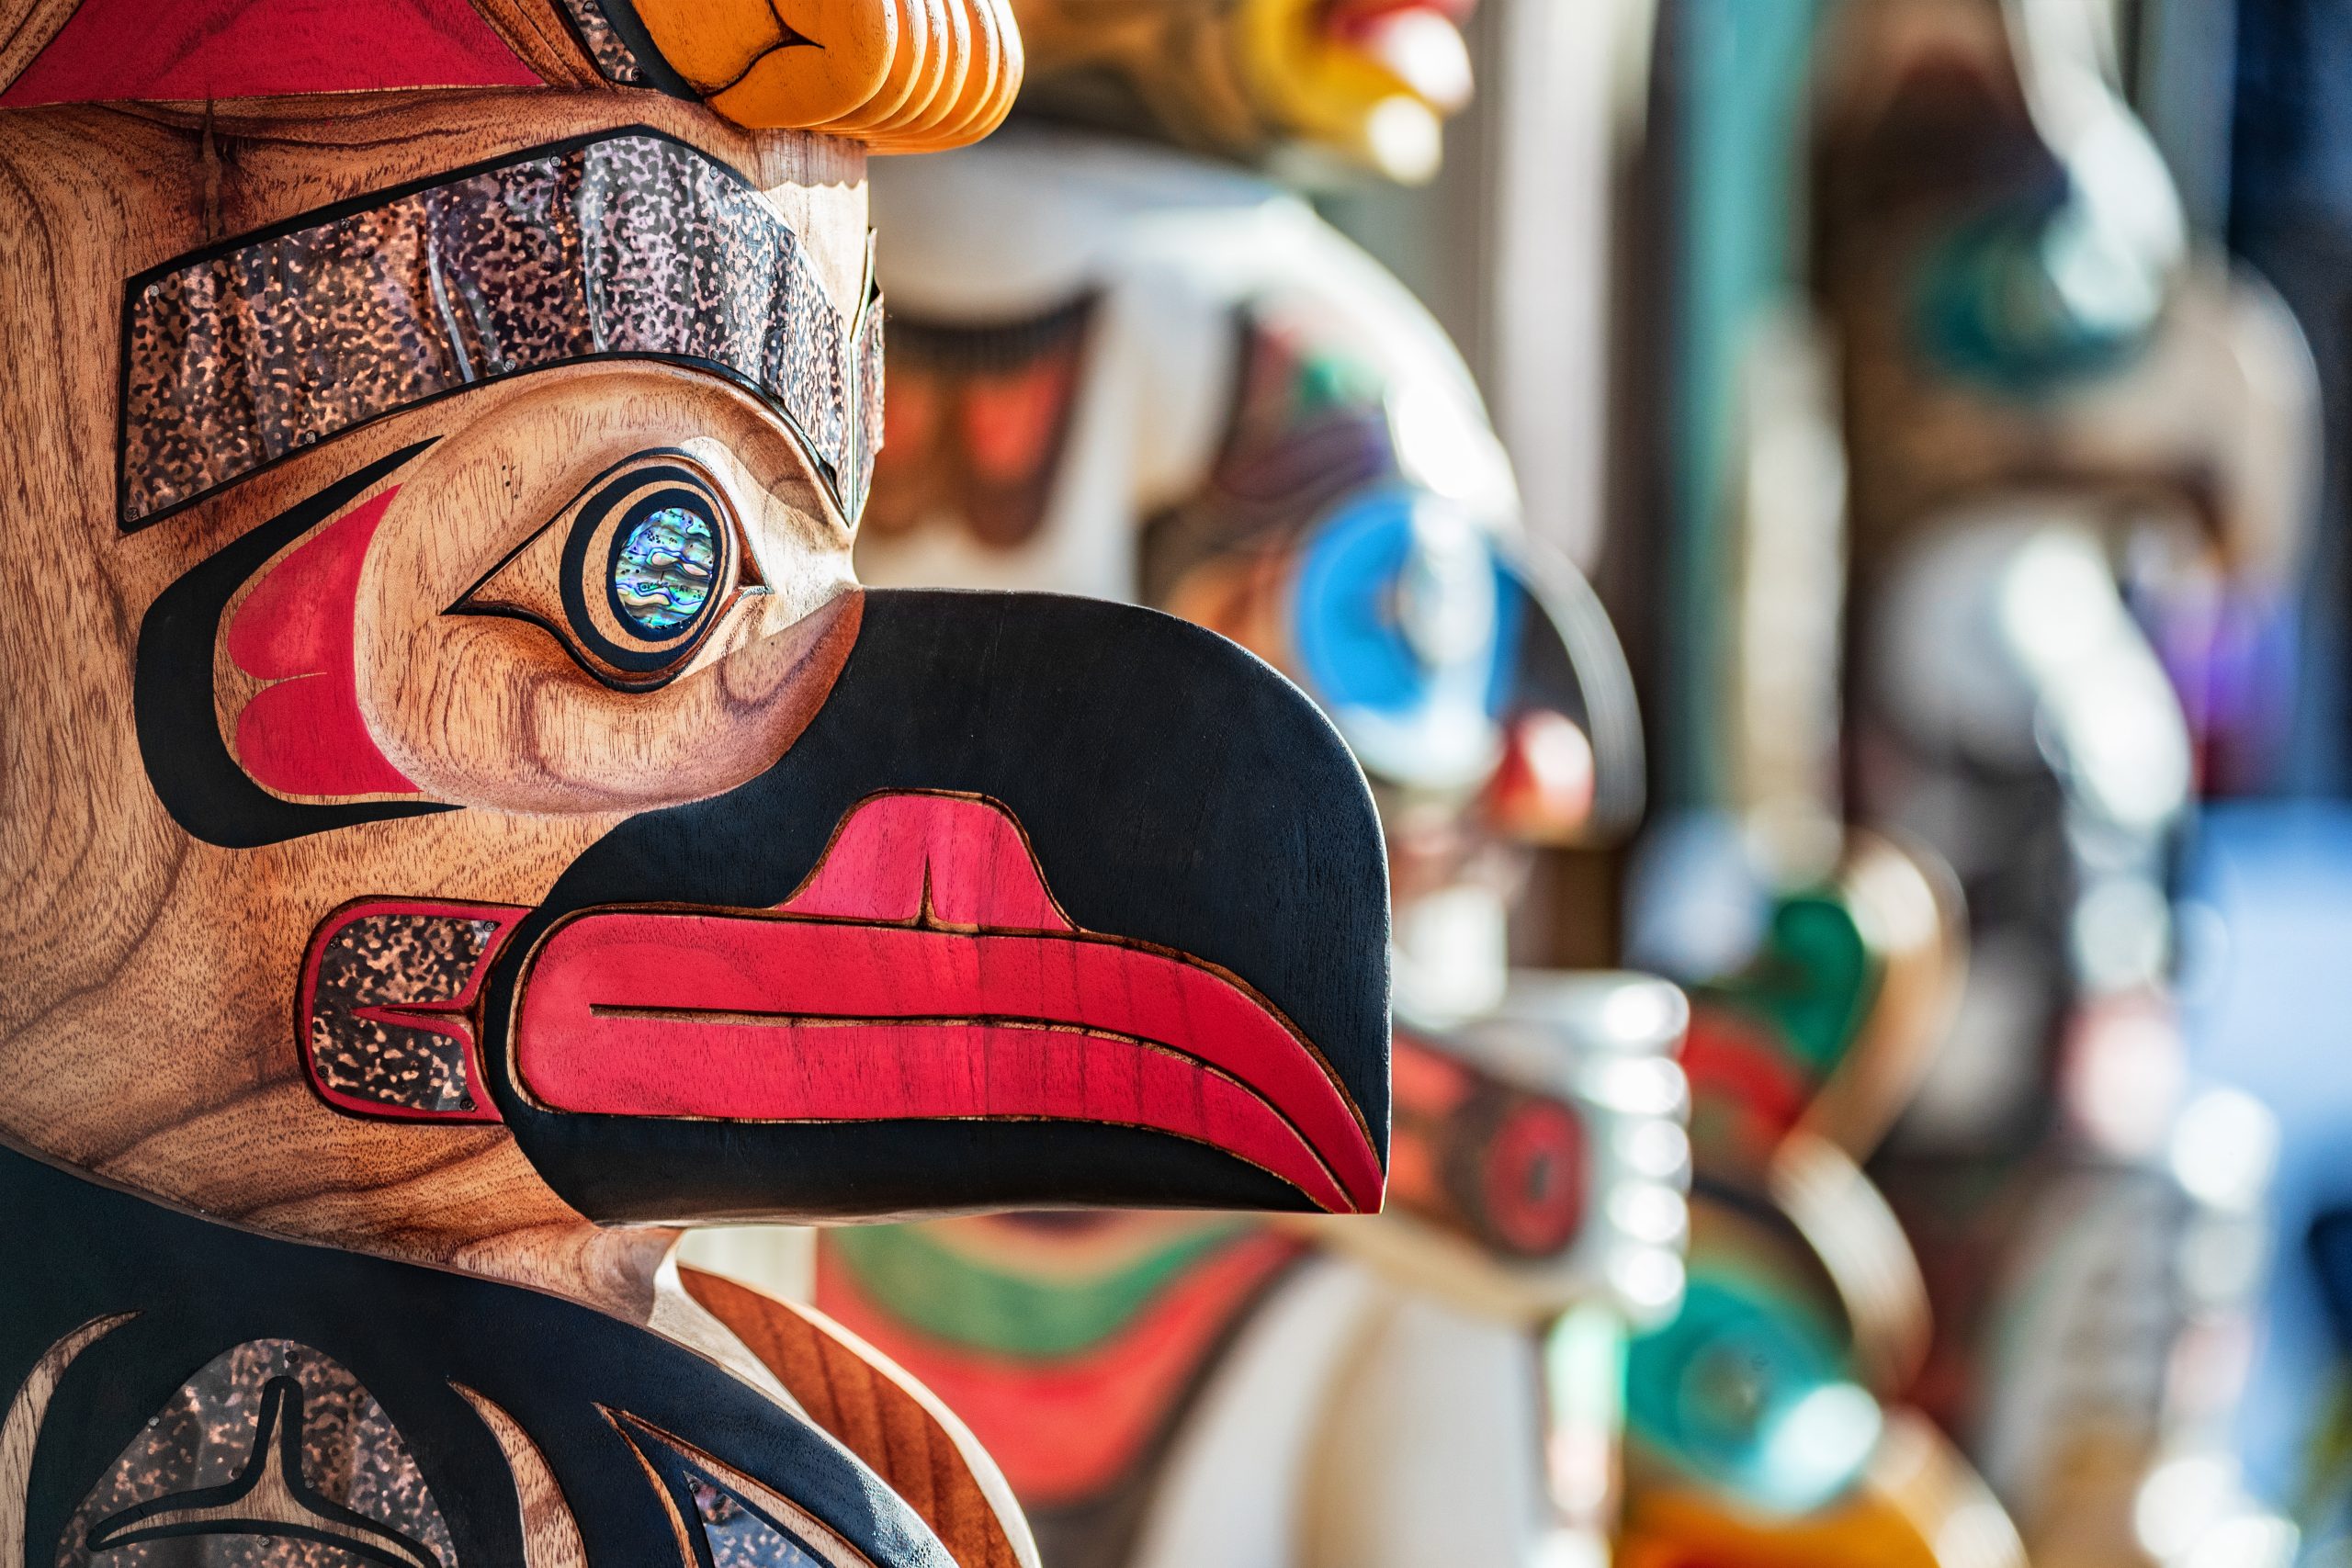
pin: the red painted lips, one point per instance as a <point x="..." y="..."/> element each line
<point x="924" y="971"/>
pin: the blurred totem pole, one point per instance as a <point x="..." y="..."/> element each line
<point x="1985" y="514"/>
<point x="2072" y="444"/>
<point x="1153" y="373"/>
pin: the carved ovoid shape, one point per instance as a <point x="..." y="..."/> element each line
<point x="272" y="1455"/>
<point x="1505" y="1166"/>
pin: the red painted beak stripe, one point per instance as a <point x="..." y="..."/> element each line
<point x="751" y="1018"/>
<point x="860" y="1001"/>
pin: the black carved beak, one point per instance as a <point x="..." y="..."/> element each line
<point x="1054" y="903"/>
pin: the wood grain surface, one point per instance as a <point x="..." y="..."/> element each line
<point x="550" y="1535"/>
<point x="197" y="791"/>
<point x="881" y="1416"/>
<point x="146" y="1037"/>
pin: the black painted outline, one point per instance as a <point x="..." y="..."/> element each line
<point x="280" y="1416"/>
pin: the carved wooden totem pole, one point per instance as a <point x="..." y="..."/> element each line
<point x="1124" y="370"/>
<point x="2057" y="415"/>
<point x="465" y="815"/>
<point x="1766" y="1422"/>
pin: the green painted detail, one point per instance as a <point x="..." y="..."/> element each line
<point x="1825" y="976"/>
<point x="1812" y="984"/>
<point x="1747" y="1389"/>
<point x="962" y="1301"/>
<point x="1741" y="71"/>
<point x="1326" y="380"/>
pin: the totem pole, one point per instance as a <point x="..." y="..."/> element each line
<point x="1128" y="371"/>
<point x="467" y="816"/>
<point x="1766" y="1423"/>
<point x="2059" y="423"/>
<point x="1777" y="1420"/>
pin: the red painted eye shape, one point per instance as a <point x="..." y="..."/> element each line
<point x="632" y="577"/>
<point x="1534" y="1179"/>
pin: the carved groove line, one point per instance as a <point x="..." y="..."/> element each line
<point x="550" y="1535"/>
<point x="21" y="1430"/>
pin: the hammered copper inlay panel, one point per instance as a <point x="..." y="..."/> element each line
<point x="614" y="62"/>
<point x="868" y="360"/>
<point x="218" y="1456"/>
<point x="389" y="961"/>
<point x="630" y="245"/>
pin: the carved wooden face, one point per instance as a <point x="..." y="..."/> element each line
<point x="470" y="744"/>
<point x="1383" y="574"/>
<point x="1999" y="242"/>
<point x="1370" y="80"/>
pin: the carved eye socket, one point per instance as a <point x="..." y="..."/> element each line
<point x="646" y="563"/>
<point x="632" y="577"/>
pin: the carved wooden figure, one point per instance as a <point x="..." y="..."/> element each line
<point x="1764" y="1421"/>
<point x="1367" y="83"/>
<point x="2042" y="389"/>
<point x="1123" y="371"/>
<point x="462" y="813"/>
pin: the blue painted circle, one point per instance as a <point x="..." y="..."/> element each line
<point x="1353" y="649"/>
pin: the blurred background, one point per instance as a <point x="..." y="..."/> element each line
<point x="1916" y="380"/>
<point x="1850" y="644"/>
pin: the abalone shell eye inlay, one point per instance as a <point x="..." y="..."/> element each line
<point x="662" y="570"/>
<point x="651" y="559"/>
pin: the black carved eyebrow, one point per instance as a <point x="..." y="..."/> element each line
<point x="626" y="244"/>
